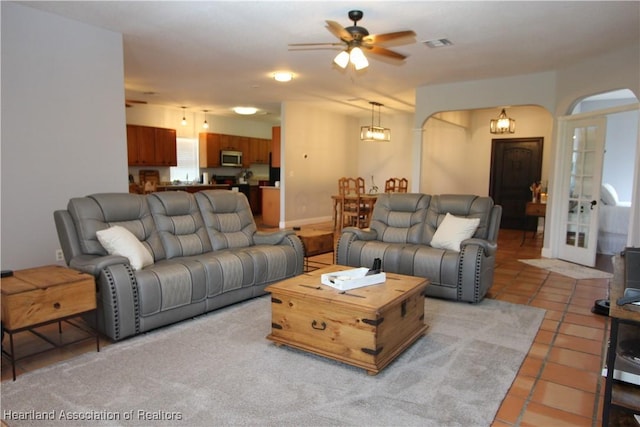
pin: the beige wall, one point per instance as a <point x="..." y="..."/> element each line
<point x="318" y="147"/>
<point x="456" y="151"/>
<point x="383" y="160"/>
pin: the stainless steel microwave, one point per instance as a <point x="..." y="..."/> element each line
<point x="231" y="158"/>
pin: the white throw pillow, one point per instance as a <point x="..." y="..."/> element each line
<point x="118" y="240"/>
<point x="608" y="195"/>
<point x="452" y="231"/>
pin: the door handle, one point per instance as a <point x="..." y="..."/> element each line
<point x="593" y="203"/>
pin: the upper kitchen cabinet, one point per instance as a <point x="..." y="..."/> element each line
<point x="209" y="150"/>
<point x="149" y="146"/>
<point x="275" y="146"/>
<point x="259" y="150"/>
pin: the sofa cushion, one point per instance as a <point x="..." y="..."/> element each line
<point x="179" y="223"/>
<point x="168" y="285"/>
<point x="452" y="231"/>
<point x="118" y="240"/>
<point x="101" y="211"/>
<point x="227" y="217"/>
<point x="460" y="205"/>
<point x="399" y="217"/>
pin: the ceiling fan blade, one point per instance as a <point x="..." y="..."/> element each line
<point x="387" y="37"/>
<point x="377" y="50"/>
<point x="338" y="31"/>
<point x="315" y="44"/>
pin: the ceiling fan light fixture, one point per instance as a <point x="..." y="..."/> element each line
<point x="342" y="59"/>
<point x="245" y="111"/>
<point x="358" y="59"/>
<point x="502" y="124"/>
<point x="283" y="76"/>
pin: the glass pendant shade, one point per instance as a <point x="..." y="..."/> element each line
<point x="373" y="132"/>
<point x="358" y="59"/>
<point x="342" y="59"/>
<point x="205" y="124"/>
<point x="184" y="117"/>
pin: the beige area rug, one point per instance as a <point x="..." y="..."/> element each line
<point x="219" y="370"/>
<point x="565" y="268"/>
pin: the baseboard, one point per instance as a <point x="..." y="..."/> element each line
<point x="306" y="221"/>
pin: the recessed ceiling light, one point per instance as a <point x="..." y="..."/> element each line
<point x="438" y="43"/>
<point x="283" y="76"/>
<point x="245" y="111"/>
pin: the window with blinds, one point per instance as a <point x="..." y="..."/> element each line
<point x="187" y="169"/>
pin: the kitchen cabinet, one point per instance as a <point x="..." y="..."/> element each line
<point x="275" y="146"/>
<point x="236" y="143"/>
<point x="254" y="150"/>
<point x="209" y="150"/>
<point x="150" y="146"/>
<point x="259" y="150"/>
<point x="166" y="152"/>
<point x="271" y="206"/>
<point x="255" y="199"/>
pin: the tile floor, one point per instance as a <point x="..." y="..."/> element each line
<point x="559" y="383"/>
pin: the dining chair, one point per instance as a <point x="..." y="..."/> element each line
<point x="396" y="185"/>
<point x="403" y="185"/>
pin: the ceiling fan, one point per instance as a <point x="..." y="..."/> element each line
<point x="355" y="39"/>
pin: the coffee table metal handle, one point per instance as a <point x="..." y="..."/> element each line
<point x="322" y="326"/>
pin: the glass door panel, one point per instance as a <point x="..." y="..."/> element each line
<point x="585" y="139"/>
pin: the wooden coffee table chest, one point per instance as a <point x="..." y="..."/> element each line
<point x="366" y="327"/>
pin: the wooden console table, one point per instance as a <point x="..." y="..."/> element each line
<point x="619" y="394"/>
<point x="315" y="242"/>
<point x="39" y="296"/>
<point x="535" y="209"/>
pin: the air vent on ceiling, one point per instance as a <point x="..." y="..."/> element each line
<point x="438" y="43"/>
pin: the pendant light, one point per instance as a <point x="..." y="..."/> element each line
<point x="375" y="133"/>
<point x="205" y="124"/>
<point x="502" y="124"/>
<point x="184" y="118"/>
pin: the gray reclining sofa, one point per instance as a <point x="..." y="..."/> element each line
<point x="207" y="253"/>
<point x="402" y="228"/>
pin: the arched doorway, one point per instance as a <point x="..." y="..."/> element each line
<point x="598" y="143"/>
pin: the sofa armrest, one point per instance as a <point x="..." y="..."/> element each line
<point x="361" y="234"/>
<point x="94" y="264"/>
<point x="271" y="237"/>
<point x="489" y="248"/>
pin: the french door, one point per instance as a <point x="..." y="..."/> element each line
<point x="583" y="141"/>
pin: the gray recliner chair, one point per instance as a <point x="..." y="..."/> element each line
<point x="401" y="231"/>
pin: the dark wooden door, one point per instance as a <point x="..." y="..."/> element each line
<point x="515" y="164"/>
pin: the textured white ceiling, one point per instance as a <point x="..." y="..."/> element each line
<point x="216" y="55"/>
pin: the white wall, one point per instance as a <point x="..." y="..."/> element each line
<point x="318" y="147"/>
<point x="63" y="125"/>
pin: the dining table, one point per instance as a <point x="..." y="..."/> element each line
<point x="339" y="201"/>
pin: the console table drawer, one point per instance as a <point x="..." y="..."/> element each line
<point x="40" y="295"/>
<point x="536" y="209"/>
